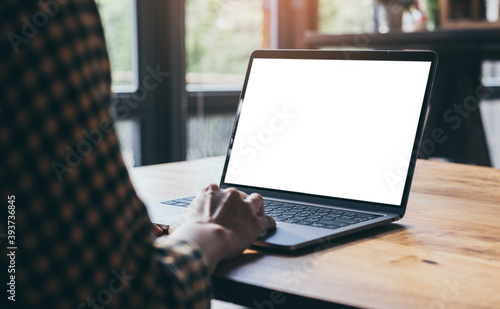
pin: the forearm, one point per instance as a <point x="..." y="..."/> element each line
<point x="184" y="273"/>
<point x="211" y="238"/>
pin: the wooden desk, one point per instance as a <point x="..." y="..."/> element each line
<point x="445" y="252"/>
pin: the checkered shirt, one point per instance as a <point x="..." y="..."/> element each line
<point x="83" y="236"/>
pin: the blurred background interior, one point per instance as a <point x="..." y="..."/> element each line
<point x="204" y="45"/>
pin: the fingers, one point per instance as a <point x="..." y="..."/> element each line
<point x="211" y="188"/>
<point x="257" y="203"/>
<point x="267" y="223"/>
<point x="230" y="191"/>
<point x="157" y="231"/>
<point x="254" y="201"/>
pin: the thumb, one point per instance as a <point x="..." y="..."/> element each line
<point x="267" y="223"/>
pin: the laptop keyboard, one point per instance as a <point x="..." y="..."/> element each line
<point x="182" y="202"/>
<point x="314" y="216"/>
<point x="301" y="214"/>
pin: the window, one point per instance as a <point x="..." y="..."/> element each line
<point x="490" y="109"/>
<point x="345" y="17"/>
<point x="202" y="48"/>
<point x="145" y="40"/>
<point x="118" y="17"/>
<point x="220" y="35"/>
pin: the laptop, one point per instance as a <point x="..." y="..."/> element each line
<point x="328" y="138"/>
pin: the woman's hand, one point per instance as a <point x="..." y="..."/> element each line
<point x="223" y="222"/>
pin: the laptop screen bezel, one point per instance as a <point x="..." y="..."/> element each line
<point x="385" y="55"/>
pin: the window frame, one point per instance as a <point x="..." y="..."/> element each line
<point x="160" y="42"/>
<point x="161" y="110"/>
<point x="284" y="25"/>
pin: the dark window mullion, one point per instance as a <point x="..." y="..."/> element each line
<point x="160" y="28"/>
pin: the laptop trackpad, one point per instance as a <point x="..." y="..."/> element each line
<point x="290" y="235"/>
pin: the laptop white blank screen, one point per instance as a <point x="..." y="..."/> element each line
<point x="336" y="128"/>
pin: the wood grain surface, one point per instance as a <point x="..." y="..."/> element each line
<point x="445" y="252"/>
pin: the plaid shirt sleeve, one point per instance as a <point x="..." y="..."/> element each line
<point x="83" y="236"/>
